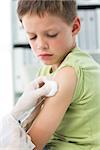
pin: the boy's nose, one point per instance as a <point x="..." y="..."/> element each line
<point x="41" y="44"/>
<point x="42" y="47"/>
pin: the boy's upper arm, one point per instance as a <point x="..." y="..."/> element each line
<point x="54" y="108"/>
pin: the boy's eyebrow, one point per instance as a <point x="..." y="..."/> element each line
<point x="47" y="30"/>
<point x="29" y="32"/>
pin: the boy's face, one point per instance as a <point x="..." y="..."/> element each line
<point x="50" y="37"/>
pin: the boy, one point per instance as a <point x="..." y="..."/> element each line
<point x="70" y="119"/>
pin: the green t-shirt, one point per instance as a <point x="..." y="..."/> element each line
<point x="80" y="127"/>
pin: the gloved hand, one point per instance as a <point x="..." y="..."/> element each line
<point x="12" y="136"/>
<point x="37" y="89"/>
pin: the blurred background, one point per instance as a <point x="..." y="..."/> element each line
<point x="18" y="65"/>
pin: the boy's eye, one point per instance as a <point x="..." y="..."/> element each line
<point x="52" y="35"/>
<point x="48" y="35"/>
<point x="33" y="38"/>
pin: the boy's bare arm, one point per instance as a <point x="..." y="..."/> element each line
<point x="54" y="108"/>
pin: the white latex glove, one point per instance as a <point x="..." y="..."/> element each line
<point x="12" y="136"/>
<point x="37" y="89"/>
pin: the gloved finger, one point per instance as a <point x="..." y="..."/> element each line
<point x="48" y="89"/>
<point x="40" y="81"/>
<point x="48" y="84"/>
<point x="53" y="87"/>
<point x="32" y="85"/>
<point x="36" y="83"/>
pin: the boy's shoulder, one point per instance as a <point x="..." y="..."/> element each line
<point x="79" y="58"/>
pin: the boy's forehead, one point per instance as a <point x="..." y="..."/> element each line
<point x="47" y="22"/>
<point x="47" y="17"/>
<point x="42" y="29"/>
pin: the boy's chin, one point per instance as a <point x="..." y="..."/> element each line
<point x="45" y="63"/>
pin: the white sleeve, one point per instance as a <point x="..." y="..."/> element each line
<point x="13" y="136"/>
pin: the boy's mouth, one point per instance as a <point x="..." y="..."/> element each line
<point x="45" y="55"/>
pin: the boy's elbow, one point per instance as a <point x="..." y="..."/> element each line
<point x="38" y="148"/>
<point x="38" y="137"/>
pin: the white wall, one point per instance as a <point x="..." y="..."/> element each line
<point x="6" y="90"/>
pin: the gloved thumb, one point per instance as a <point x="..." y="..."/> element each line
<point x="48" y="88"/>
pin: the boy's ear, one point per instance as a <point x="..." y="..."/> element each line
<point x="76" y="26"/>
